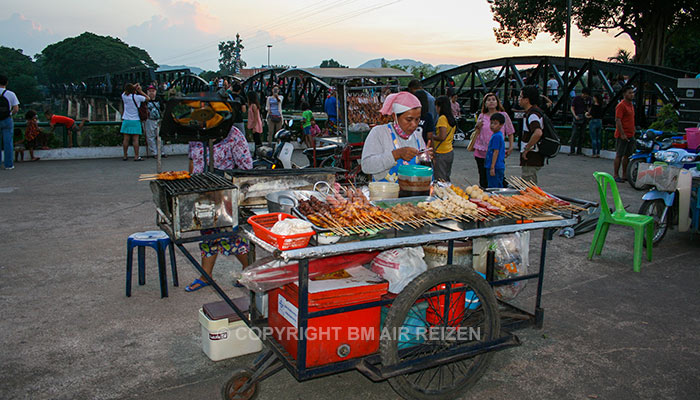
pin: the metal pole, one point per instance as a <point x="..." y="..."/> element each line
<point x="566" y="57"/>
<point x="268" y="55"/>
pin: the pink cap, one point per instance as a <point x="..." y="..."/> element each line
<point x="399" y="103"/>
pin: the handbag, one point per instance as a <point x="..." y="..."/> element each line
<point x="143" y="109"/>
<point x="276" y="118"/>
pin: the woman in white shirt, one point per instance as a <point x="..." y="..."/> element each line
<point x="132" y="98"/>
<point x="275" y="120"/>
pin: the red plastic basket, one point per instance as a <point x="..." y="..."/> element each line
<point x="261" y="227"/>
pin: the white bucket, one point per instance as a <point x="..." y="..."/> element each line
<point x="383" y="190"/>
<point x="222" y="339"/>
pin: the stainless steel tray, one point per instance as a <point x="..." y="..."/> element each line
<point x="401" y="200"/>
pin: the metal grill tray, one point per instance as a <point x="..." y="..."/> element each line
<point x="197" y="183"/>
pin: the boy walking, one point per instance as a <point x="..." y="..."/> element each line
<point x="496" y="153"/>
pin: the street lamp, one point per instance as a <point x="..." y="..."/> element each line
<point x="269" y="46"/>
<point x="566" y="56"/>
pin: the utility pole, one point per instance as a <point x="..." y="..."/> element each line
<point x="566" y="58"/>
<point x="269" y="46"/>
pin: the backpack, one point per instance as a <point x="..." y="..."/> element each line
<point x="4" y="106"/>
<point x="549" y="143"/>
<point x="142" y="109"/>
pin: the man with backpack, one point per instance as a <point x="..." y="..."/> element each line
<point x="9" y="105"/>
<point x="531" y="160"/>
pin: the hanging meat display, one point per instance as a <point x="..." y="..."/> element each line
<point x="364" y="108"/>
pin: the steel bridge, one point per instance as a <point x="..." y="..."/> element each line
<point x="652" y="83"/>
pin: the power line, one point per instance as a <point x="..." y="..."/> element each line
<point x="342" y="18"/>
<point x="288" y="18"/>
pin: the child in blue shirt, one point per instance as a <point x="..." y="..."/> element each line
<point x="496" y="153"/>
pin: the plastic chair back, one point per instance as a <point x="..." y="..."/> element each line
<point x="604" y="181"/>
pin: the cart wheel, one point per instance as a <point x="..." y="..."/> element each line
<point x="230" y="391"/>
<point x="474" y="308"/>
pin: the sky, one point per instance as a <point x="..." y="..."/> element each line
<point x="301" y="32"/>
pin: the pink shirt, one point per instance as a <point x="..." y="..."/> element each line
<point x="482" y="142"/>
<point x="230" y="153"/>
<point x="254" y="120"/>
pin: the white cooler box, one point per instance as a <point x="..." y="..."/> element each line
<point x="227" y="336"/>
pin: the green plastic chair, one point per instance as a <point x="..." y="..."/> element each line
<point x="641" y="223"/>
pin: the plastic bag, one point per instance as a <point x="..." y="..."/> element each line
<point x="400" y="266"/>
<point x="269" y="273"/>
<point x="512" y="260"/>
<point x="359" y="127"/>
<point x="663" y="177"/>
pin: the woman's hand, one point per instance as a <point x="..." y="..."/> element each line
<point x="493" y="171"/>
<point x="405" y="153"/>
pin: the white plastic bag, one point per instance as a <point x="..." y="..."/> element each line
<point x="399" y="266"/>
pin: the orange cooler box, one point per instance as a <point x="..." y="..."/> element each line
<point x="330" y="338"/>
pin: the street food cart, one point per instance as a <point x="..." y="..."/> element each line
<point x="447" y="302"/>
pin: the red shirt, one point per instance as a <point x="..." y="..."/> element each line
<point x="625" y="112"/>
<point x="59" y="119"/>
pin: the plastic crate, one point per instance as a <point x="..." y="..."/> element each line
<point x="261" y="227"/>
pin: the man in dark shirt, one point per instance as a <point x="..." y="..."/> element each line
<point x="238" y="105"/>
<point x="580" y="105"/>
<point x="330" y="106"/>
<point x="530" y="159"/>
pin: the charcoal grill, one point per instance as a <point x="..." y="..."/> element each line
<point x="204" y="201"/>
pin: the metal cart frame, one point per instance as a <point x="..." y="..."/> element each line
<point x="274" y="357"/>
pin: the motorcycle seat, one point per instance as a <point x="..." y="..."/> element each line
<point x="322" y="151"/>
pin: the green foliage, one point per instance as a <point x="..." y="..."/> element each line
<point x="208" y="75"/>
<point x="86" y="55"/>
<point x="683" y="51"/>
<point x="649" y="23"/>
<point x="20" y="72"/>
<point x="666" y="119"/>
<point x="622" y="57"/>
<point x="230" y="61"/>
<point x="331" y="63"/>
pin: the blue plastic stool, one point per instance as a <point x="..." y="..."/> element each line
<point x="159" y="241"/>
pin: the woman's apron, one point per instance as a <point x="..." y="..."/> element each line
<point x="392" y="175"/>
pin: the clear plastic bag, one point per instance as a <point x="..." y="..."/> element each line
<point x="512" y="259"/>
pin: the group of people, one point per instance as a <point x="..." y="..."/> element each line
<point x="424" y="124"/>
<point x="141" y="114"/>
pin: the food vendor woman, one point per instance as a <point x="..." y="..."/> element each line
<point x="396" y="143"/>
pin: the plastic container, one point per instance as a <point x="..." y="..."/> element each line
<point x="383" y="190"/>
<point x="227" y="337"/>
<point x="261" y="227"/>
<point x="693" y="138"/>
<point x="414" y="329"/>
<point x="414" y="180"/>
<point x="336" y="337"/>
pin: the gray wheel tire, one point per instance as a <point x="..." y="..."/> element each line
<point x="239" y="377"/>
<point x="388" y="347"/>
<point x="655" y="209"/>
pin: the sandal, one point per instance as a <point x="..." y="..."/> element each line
<point x="198" y="282"/>
<point x="138" y="159"/>
<point x="125" y="159"/>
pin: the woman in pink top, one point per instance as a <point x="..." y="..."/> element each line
<point x="254" y="120"/>
<point x="490" y="105"/>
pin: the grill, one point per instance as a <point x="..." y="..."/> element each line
<point x="198" y="183"/>
<point x="204" y="201"/>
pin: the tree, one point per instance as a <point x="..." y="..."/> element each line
<point x="20" y="71"/>
<point x="623" y="57"/>
<point x="683" y="50"/>
<point x="208" y="75"/>
<point x="649" y="23"/>
<point x="77" y="58"/>
<point x="332" y="64"/>
<point x="230" y="61"/>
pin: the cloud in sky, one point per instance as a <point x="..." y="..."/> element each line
<point x="302" y="32"/>
<point x="20" y="32"/>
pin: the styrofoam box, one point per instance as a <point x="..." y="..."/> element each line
<point x="222" y="339"/>
<point x="261" y="303"/>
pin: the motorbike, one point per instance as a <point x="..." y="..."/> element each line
<point x="281" y="155"/>
<point x="673" y="202"/>
<point x="646" y="146"/>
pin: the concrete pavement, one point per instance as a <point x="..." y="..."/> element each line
<point x="68" y="331"/>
